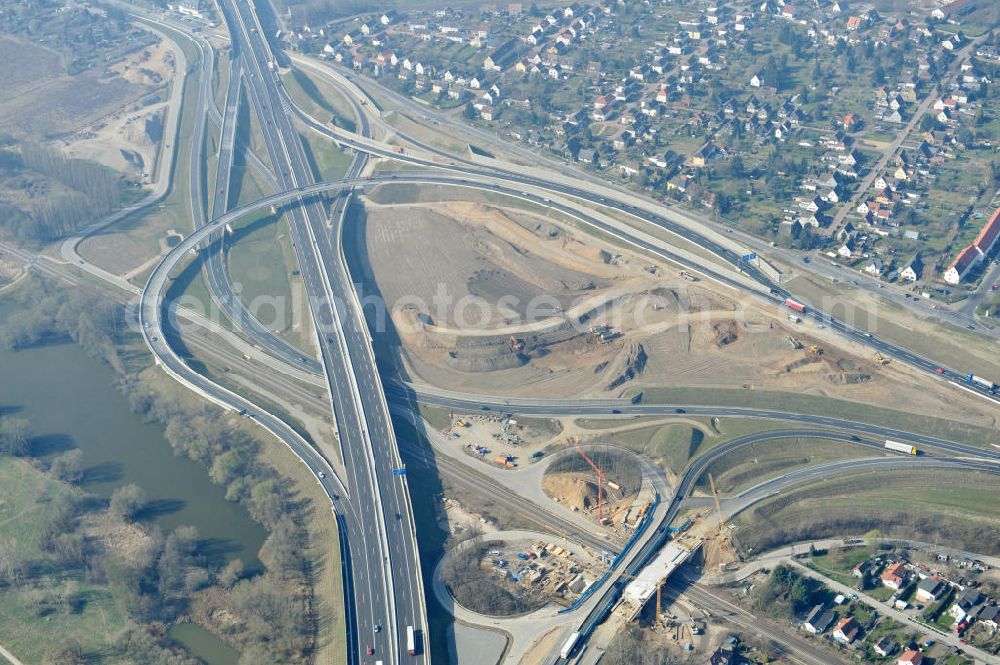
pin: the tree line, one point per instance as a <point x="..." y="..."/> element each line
<point x="172" y="577"/>
<point x="88" y="192"/>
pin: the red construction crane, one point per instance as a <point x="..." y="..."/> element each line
<point x="600" y="477"/>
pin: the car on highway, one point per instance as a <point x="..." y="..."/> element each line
<point x="321" y="475"/>
<point x="939" y="370"/>
<point x="371" y="651"/>
<point x="378" y="627"/>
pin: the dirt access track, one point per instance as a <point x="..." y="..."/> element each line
<point x="487" y="297"/>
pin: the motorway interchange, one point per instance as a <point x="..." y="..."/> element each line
<point x="385" y="595"/>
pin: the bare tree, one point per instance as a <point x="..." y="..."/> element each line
<point x="14" y="436"/>
<point x="12" y="567"/>
<point x="127" y="501"/>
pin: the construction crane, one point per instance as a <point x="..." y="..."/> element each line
<point x="600" y="477"/>
<point x="718" y="504"/>
<point x="717" y="549"/>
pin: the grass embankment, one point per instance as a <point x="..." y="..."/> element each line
<point x="318" y="99"/>
<point x="810" y="404"/>
<point x="960" y="509"/>
<point x="675" y="441"/>
<point x="758" y="462"/>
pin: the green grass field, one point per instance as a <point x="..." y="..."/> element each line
<point x="676" y="442"/>
<point x="257" y="265"/>
<point x="800" y="403"/>
<point x="318" y="99"/>
<point x="25" y="630"/>
<point x="957" y="508"/>
<point x="755" y="463"/>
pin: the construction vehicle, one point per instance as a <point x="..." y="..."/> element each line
<point x="688" y="276"/>
<point x="815" y="350"/>
<point x="795" y="344"/>
<point x="516" y="344"/>
<point x="880" y="359"/>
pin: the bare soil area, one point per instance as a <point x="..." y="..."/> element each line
<point x="26" y="65"/>
<point x="43" y="99"/>
<point x="613" y="321"/>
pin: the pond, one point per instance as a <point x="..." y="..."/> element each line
<point x="71" y="402"/>
<point x="202" y="644"/>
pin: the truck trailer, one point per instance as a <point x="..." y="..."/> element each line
<point x="980" y="381"/>
<point x="898" y="447"/>
<point x="411" y="641"/>
<point x="569" y="646"/>
<point x="796" y="305"/>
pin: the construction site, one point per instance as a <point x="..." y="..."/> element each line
<point x="464" y="315"/>
<point x="506" y="576"/>
<point x="502" y="440"/>
<point x="601" y="482"/>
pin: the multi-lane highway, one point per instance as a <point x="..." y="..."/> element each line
<point x="385" y="584"/>
<point x="385" y="594"/>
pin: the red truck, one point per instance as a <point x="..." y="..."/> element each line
<point x="794" y="304"/>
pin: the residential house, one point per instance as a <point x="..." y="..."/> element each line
<point x="851" y="122"/>
<point x="896" y="575"/>
<point x="913" y="269"/>
<point x="874" y="268"/>
<point x="953" y="11"/>
<point x="931" y="589"/>
<point x="989" y="616"/>
<point x="703" y="154"/>
<point x="818" y="620"/>
<point x="503" y="56"/>
<point x="864" y="568"/>
<point x="847" y="630"/>
<point x="980" y="248"/>
<point x="968" y="258"/>
<point x="963" y="605"/>
<point x="910" y="657"/>
<point x="884" y="647"/>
